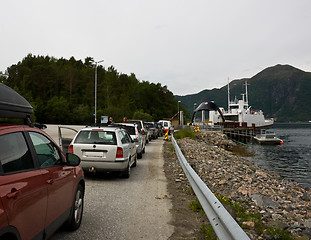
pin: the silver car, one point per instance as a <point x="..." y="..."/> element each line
<point x="105" y="149"/>
<point x="138" y="138"/>
<point x="141" y="129"/>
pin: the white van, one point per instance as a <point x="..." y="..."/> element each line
<point x="167" y="125"/>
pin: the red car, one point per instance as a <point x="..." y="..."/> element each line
<point x="41" y="188"/>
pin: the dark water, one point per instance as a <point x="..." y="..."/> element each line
<point x="291" y="160"/>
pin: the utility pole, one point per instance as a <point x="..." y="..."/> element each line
<point x="95" y="88"/>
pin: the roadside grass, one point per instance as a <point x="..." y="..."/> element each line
<point x="196" y="207"/>
<point x="171" y="148"/>
<point x="278" y="233"/>
<point x="208" y="230"/>
<point x="185" y="132"/>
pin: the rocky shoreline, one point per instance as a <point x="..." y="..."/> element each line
<point x="283" y="204"/>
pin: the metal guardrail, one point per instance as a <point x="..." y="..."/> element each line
<point x="224" y="225"/>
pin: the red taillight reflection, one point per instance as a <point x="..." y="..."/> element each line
<point x="70" y="149"/>
<point x="119" y="152"/>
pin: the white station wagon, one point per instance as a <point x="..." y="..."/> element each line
<point x="105" y="149"/>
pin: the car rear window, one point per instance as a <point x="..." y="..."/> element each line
<point x="98" y="137"/>
<point x="138" y="124"/>
<point x="15" y="155"/>
<point x="149" y="125"/>
<point x="129" y="129"/>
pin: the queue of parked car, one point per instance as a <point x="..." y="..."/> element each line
<point x="33" y="166"/>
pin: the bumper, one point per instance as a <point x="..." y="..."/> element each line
<point x="101" y="166"/>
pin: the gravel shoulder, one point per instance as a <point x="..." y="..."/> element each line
<point x="187" y="223"/>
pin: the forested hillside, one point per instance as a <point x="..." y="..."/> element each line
<point x="282" y="92"/>
<point x="62" y="91"/>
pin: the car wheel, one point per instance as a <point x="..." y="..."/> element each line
<point x="77" y="209"/>
<point x="135" y="162"/>
<point x="127" y="171"/>
<point x="140" y="155"/>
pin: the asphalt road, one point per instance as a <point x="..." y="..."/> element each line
<point x="134" y="208"/>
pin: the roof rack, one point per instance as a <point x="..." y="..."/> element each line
<point x="13" y="105"/>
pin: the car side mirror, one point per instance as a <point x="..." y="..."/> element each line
<point x="72" y="159"/>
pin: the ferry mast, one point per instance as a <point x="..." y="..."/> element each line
<point x="228" y="96"/>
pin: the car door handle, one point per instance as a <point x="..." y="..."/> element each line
<point x="50" y="181"/>
<point x="13" y="194"/>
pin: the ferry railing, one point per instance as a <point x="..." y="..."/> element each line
<point x="224" y="225"/>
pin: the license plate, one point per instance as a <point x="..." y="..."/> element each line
<point x="94" y="154"/>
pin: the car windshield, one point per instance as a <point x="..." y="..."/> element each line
<point x="98" y="137"/>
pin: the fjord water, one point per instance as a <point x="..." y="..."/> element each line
<point x="292" y="160"/>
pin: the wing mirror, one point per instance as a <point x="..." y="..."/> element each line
<point x="72" y="159"/>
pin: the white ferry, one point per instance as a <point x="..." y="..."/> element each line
<point x="240" y="114"/>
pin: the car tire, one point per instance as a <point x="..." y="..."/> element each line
<point x="135" y="162"/>
<point x="126" y="173"/>
<point x="75" y="218"/>
<point x="140" y="155"/>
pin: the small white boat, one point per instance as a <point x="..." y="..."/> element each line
<point x="267" y="137"/>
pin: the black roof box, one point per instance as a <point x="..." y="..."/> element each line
<point x="13" y="105"/>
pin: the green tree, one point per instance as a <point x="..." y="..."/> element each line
<point x="62" y="91"/>
<point x="58" y="111"/>
<point x="141" y="115"/>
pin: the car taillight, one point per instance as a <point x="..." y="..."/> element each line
<point x="143" y="131"/>
<point x="70" y="149"/>
<point x="119" y="152"/>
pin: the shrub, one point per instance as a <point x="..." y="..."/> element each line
<point x="185" y="132"/>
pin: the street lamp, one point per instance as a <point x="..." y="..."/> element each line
<point x="95" y="90"/>
<point x="178" y="114"/>
<point x="194" y="107"/>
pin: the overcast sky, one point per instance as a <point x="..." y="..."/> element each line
<point x="186" y="45"/>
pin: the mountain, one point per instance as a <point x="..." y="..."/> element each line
<point x="282" y="92"/>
